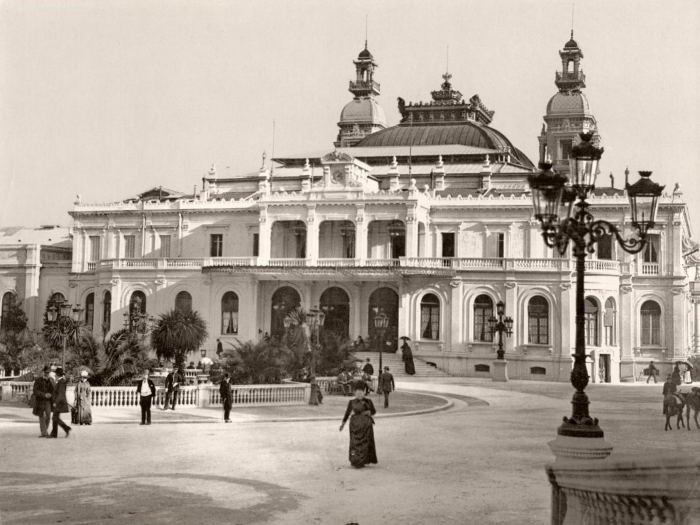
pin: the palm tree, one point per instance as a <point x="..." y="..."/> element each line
<point x="120" y="358"/>
<point x="178" y="333"/>
<point x="254" y="363"/>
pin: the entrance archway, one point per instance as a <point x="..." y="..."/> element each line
<point x="335" y="303"/>
<point x="386" y="300"/>
<point x="284" y="300"/>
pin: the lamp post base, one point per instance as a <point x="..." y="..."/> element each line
<point x="500" y="371"/>
<point x="577" y="448"/>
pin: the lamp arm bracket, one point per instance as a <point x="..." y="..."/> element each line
<point x="602" y="228"/>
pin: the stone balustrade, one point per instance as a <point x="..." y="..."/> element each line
<point x="653" y="491"/>
<point x="193" y="396"/>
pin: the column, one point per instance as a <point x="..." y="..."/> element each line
<point x="311" y="238"/>
<point x="696" y="326"/>
<point x="511" y="299"/>
<point x="32" y="269"/>
<point x="411" y="236"/>
<point x="405" y="314"/>
<point x="678" y="323"/>
<point x="357" y="300"/>
<point x="265" y="240"/>
<point x="533" y="239"/>
<point x="360" y="237"/>
<point x="456" y="317"/>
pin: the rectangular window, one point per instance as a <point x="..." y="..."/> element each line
<point x="500" y="245"/>
<point x="609" y="325"/>
<point x="256" y="244"/>
<point x="129" y="246"/>
<point x="651" y="329"/>
<point x="605" y="246"/>
<point x="430" y="321"/>
<point x="565" y="149"/>
<point x="94" y="248"/>
<point x="165" y="245"/>
<point x="448" y="244"/>
<point x="216" y="245"/>
<point x="651" y="250"/>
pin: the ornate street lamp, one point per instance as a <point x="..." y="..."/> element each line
<point x="381" y="323"/>
<point x="138" y="322"/>
<point x="554" y="202"/>
<point x="314" y="320"/>
<point x="60" y="314"/>
<point x="501" y="326"/>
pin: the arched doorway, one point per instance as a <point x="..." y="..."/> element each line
<point x="284" y="300"/>
<point x="335" y="303"/>
<point x="387" y="301"/>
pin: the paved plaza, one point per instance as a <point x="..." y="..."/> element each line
<point x="478" y="460"/>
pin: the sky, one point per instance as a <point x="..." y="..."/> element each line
<point x="109" y="98"/>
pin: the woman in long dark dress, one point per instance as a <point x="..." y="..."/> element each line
<point x="362" y="449"/>
<point x="407" y="356"/>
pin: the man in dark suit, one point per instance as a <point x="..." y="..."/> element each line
<point x="60" y="404"/>
<point x="147" y="393"/>
<point x="386" y="385"/>
<point x="226" y="398"/>
<point x="172" y="387"/>
<point x="219" y="348"/>
<point x="669" y="390"/>
<point x="368" y="368"/>
<point x="43" y="392"/>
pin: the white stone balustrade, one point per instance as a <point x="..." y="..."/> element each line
<point x="658" y="490"/>
<point x="650" y="268"/>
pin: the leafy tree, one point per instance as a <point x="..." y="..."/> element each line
<point x="14" y="336"/>
<point x="333" y="354"/>
<point x="178" y="333"/>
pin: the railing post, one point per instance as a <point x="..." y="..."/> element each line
<point x="202" y="396"/>
<point x="6" y="390"/>
<point x="307" y="393"/>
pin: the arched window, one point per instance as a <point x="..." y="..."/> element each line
<point x="89" y="310"/>
<point x="650" y="324"/>
<point x="6" y="302"/>
<point x="483" y="310"/>
<point x="107" y="312"/>
<point x="284" y="300"/>
<point x="609" y="322"/>
<point x="430" y="317"/>
<point x="57" y="298"/>
<point x="183" y="302"/>
<point x="384" y="300"/>
<point x="538" y="321"/>
<point x="590" y="310"/>
<point x="229" y="313"/>
<point x="335" y="303"/>
<point x="137" y="303"/>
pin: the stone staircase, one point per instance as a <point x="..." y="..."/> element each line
<point x="396" y="365"/>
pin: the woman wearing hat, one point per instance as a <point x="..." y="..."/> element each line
<point x="82" y="400"/>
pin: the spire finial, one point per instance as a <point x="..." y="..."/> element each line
<point x="366" y="23"/>
<point x="573" y="8"/>
<point x="447" y="68"/>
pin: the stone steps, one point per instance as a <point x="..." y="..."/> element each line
<point x="396" y="365"/>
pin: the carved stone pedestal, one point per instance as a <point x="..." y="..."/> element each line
<point x="500" y="370"/>
<point x="566" y="448"/>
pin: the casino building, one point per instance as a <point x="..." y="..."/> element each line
<point x="429" y="220"/>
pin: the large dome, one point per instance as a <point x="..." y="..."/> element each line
<point x="466" y="133"/>
<point x="561" y="104"/>
<point x="363" y="111"/>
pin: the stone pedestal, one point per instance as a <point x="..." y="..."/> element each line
<point x="500" y="370"/>
<point x="566" y="448"/>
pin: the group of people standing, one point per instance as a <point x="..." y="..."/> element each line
<point x="146" y="389"/>
<point x="50" y="401"/>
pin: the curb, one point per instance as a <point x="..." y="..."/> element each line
<point x="448" y="404"/>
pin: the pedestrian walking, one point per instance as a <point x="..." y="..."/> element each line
<point x="219" y="348"/>
<point x="83" y="406"/>
<point x="653" y="371"/>
<point x="676" y="375"/>
<point x="147" y="392"/>
<point x="360" y="411"/>
<point x="60" y="404"/>
<point x="407" y="358"/>
<point x="43" y="393"/>
<point x="172" y="387"/>
<point x="368" y="368"/>
<point x="386" y="385"/>
<point x="226" y="397"/>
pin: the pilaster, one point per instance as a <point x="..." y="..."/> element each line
<point x="360" y="236"/>
<point x="311" y="237"/>
<point x="456" y="316"/>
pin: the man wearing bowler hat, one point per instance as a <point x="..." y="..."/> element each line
<point x="60" y="404"/>
<point x="43" y="392"/>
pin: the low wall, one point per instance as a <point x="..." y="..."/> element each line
<point x="660" y="490"/>
<point x="324" y="383"/>
<point x="194" y="396"/>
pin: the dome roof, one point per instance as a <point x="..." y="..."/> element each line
<point x="365" y="54"/>
<point x="571" y="44"/>
<point x="466" y="133"/>
<point x="363" y="110"/>
<point x="561" y="104"/>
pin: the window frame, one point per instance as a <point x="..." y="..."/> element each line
<point x="433" y="311"/>
<point x="480" y="317"/>
<point x="216" y="245"/>
<point x="650" y="330"/>
<point x="537" y="337"/>
<point x="233" y="318"/>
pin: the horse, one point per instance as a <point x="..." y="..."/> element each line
<point x="673" y="406"/>
<point x="692" y="400"/>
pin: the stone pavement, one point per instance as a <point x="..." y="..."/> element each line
<point x="476" y="462"/>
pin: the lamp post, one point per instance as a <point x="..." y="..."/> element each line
<point x="555" y="198"/>
<point x="314" y="320"/>
<point x="501" y="326"/>
<point x="138" y="322"/>
<point x="381" y="323"/>
<point x="63" y="317"/>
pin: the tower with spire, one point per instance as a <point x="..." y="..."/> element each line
<point x="363" y="115"/>
<point x="568" y="111"/>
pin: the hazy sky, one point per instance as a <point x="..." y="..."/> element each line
<point x="109" y="98"/>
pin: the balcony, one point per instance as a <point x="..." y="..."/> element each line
<point x="570" y="76"/>
<point x="650" y="269"/>
<point x="367" y="86"/>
